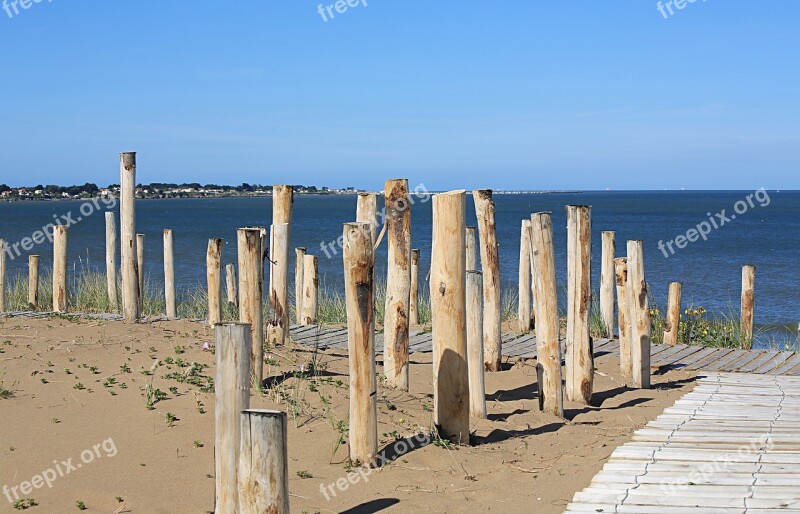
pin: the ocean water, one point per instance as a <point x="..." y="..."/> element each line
<point x="766" y="233"/>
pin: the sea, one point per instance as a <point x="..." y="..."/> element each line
<point x="699" y="238"/>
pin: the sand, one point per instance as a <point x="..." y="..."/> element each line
<point x="78" y="393"/>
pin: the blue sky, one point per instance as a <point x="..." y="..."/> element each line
<point x="564" y="94"/>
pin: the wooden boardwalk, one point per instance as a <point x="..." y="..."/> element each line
<point x="732" y="445"/>
<point x="662" y="356"/>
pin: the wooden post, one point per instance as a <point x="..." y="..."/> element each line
<point x="169" y="275"/>
<point x="214" y="280"/>
<point x="278" y="318"/>
<point x="579" y="361"/>
<point x="639" y="307"/>
<point x="251" y="288"/>
<point x="232" y="396"/>
<point x="310" y="293"/>
<point x="477" y="391"/>
<point x="472" y="249"/>
<point x="230" y="282"/>
<point x="623" y="321"/>
<point x="2" y="275"/>
<point x="263" y="462"/>
<point x="490" y="265"/>
<point x="673" y="314"/>
<point x="607" y="281"/>
<point x="748" y="305"/>
<point x="359" y="285"/>
<point x="367" y="212"/>
<point x="129" y="266"/>
<point x="33" y="282"/>
<point x="547" y="324"/>
<point x="398" y="283"/>
<point x="299" y="266"/>
<point x="282" y="200"/>
<point x="111" y="260"/>
<point x="140" y="268"/>
<point x="448" y="307"/>
<point x="413" y="304"/>
<point x="524" y="308"/>
<point x="60" y="268"/>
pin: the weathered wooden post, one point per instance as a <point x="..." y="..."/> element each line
<point x="398" y="283"/>
<point x="299" y="281"/>
<point x="251" y="289"/>
<point x="263" y="462"/>
<point x="129" y="266"/>
<point x="673" y="314"/>
<point x="111" y="260"/>
<point x="579" y="361"/>
<point x="282" y="201"/>
<point x="490" y="265"/>
<point x="60" y="268"/>
<point x="2" y="275"/>
<point x="230" y="282"/>
<point x="639" y="307"/>
<point x="140" y="268"/>
<point x="214" y="280"/>
<point x="748" y="305"/>
<point x="169" y="274"/>
<point x="623" y="321"/>
<point x="548" y="347"/>
<point x="367" y="212"/>
<point x="524" y="307"/>
<point x="359" y="285"/>
<point x="278" y="319"/>
<point x="448" y="308"/>
<point x="607" y="281"/>
<point x="310" y="292"/>
<point x="33" y="282"/>
<point x="477" y="390"/>
<point x="232" y="396"/>
<point x="471" y="234"/>
<point x="413" y="304"/>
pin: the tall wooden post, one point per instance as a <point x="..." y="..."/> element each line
<point x="673" y="314"/>
<point x="278" y="325"/>
<point x="282" y="201"/>
<point x="448" y="307"/>
<point x="579" y="361"/>
<point x="251" y="288"/>
<point x="263" y="462"/>
<point x="547" y="324"/>
<point x="623" y="321"/>
<point x="367" y="212"/>
<point x="359" y="285"/>
<point x="140" y="268"/>
<point x="413" y="304"/>
<point x="2" y="275"/>
<point x="214" y="280"/>
<point x="299" y="265"/>
<point x="607" y="281"/>
<point x="129" y="266"/>
<point x="639" y="307"/>
<point x="471" y="234"/>
<point x="477" y="390"/>
<point x="524" y="307"/>
<point x="232" y="396"/>
<point x="230" y="282"/>
<point x="33" y="282"/>
<point x="748" y="305"/>
<point x="398" y="283"/>
<point x="111" y="260"/>
<point x="310" y="292"/>
<point x="169" y="274"/>
<point x="60" y="268"/>
<point x="490" y="265"/>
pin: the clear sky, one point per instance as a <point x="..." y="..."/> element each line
<point x="524" y="94"/>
